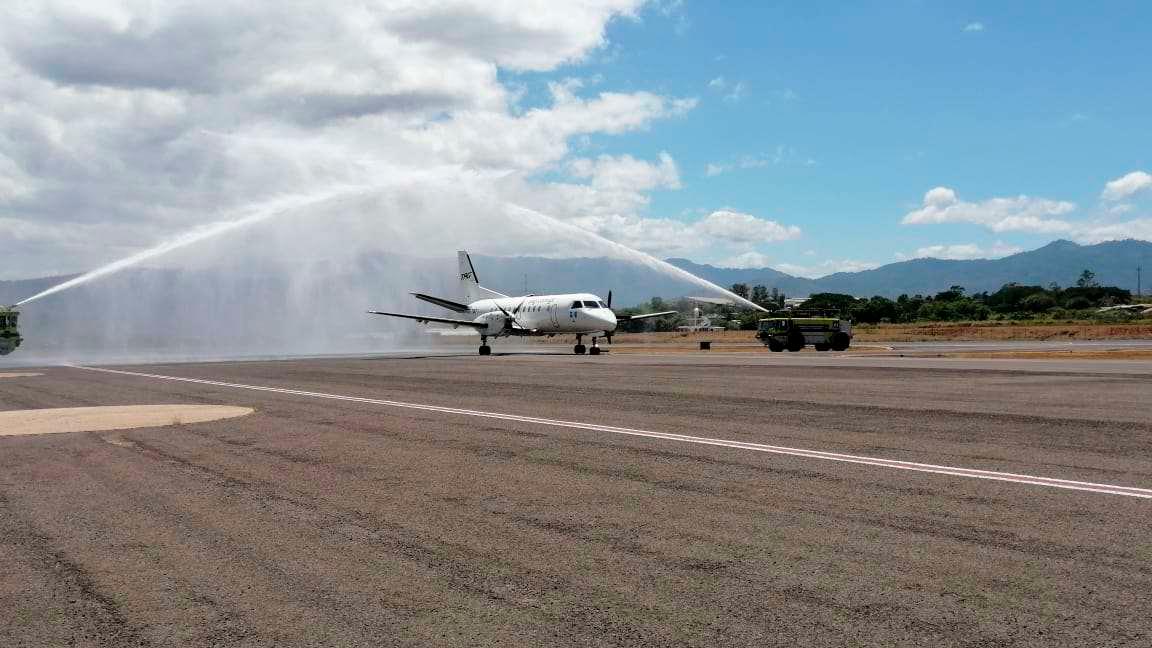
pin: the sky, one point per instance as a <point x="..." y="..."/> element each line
<point x="808" y="137"/>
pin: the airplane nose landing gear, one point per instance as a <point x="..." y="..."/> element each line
<point x="484" y="348"/>
<point x="595" y="350"/>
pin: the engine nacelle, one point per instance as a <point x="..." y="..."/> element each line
<point x="495" y="324"/>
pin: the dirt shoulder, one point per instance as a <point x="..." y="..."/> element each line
<point x="926" y="332"/>
<point x="979" y="331"/>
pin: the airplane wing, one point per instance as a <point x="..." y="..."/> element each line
<point x="628" y="318"/>
<point x="441" y="320"/>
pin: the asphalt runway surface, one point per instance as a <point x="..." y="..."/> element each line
<point x="556" y="500"/>
<point x="465" y="345"/>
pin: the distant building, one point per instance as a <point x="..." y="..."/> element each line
<point x="699" y="322"/>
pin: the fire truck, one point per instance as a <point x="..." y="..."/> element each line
<point x="9" y="335"/>
<point x="793" y="330"/>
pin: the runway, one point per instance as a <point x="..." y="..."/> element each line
<point x="533" y="499"/>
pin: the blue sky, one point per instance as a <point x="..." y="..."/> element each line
<point x="812" y="137"/>
<point x="840" y="118"/>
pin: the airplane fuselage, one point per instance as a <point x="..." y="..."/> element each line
<point x="582" y="313"/>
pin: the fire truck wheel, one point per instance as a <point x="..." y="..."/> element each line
<point x="795" y="341"/>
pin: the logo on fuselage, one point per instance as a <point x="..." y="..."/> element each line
<point x="466" y="276"/>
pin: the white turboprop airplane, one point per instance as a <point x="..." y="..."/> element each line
<point x="495" y="315"/>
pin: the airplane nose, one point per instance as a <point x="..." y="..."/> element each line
<point x="606" y="319"/>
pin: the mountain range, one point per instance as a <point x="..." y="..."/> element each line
<point x="1115" y="263"/>
<point x="1061" y="262"/>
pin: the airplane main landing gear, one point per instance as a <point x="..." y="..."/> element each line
<point x="484" y="348"/>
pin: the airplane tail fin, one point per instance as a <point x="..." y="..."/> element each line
<point x="470" y="283"/>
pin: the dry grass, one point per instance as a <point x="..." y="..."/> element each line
<point x="981" y="331"/>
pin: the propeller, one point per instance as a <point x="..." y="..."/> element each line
<point x="511" y="317"/>
<point x="608" y="334"/>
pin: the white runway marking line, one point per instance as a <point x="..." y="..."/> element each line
<point x="972" y="473"/>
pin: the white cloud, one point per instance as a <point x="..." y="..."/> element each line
<point x="738" y="227"/>
<point x="615" y="211"/>
<point x="1126" y="186"/>
<point x="963" y="251"/>
<point x="1137" y="228"/>
<point x="782" y="156"/>
<point x="974" y="27"/>
<point x="813" y="271"/>
<point x="499" y="140"/>
<point x="1038" y="215"/>
<point x="626" y="173"/>
<point x="133" y="121"/>
<point x="732" y="92"/>
<point x="736" y="93"/>
<point x="1021" y="213"/>
<point x="709" y="237"/>
<point x="746" y="260"/>
<point x="613" y="185"/>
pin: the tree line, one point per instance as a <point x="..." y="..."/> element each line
<point x="1012" y="301"/>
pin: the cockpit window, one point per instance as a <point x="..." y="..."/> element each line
<point x="576" y="304"/>
<point x="602" y="304"/>
<point x="591" y="304"/>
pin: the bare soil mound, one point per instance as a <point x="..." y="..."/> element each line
<point x="94" y="419"/>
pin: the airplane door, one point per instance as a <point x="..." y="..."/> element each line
<point x="553" y="311"/>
